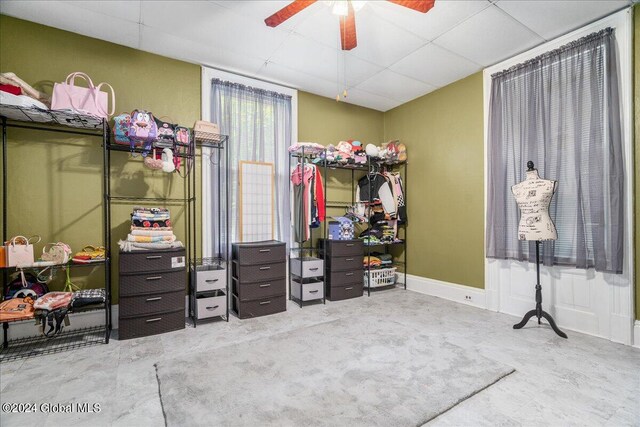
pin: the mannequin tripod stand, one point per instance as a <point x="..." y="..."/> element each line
<point x="538" y="311"/>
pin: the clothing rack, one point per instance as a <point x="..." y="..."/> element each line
<point x="77" y="125"/>
<point x="304" y="248"/>
<point x="372" y="166"/>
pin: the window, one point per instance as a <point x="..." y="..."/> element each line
<point x="260" y="119"/>
<point x="562" y="111"/>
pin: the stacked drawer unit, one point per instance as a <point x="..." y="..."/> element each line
<point x="344" y="273"/>
<point x="307" y="281"/>
<point x="208" y="291"/>
<point x="259" y="277"/>
<point x="152" y="292"/>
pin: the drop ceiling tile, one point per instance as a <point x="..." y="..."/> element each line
<point x="289" y="77"/>
<point x="68" y="17"/>
<point x="259" y="10"/>
<point x="365" y="99"/>
<point x="489" y="37"/>
<point x="551" y="19"/>
<point x="213" y="25"/>
<point x="123" y="9"/>
<point x="323" y="27"/>
<point x="162" y="43"/>
<point x="380" y="42"/>
<point x="444" y="15"/>
<point x="395" y="86"/>
<point x="434" y="65"/>
<point x="315" y="59"/>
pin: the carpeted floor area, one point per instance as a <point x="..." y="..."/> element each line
<point x="357" y="371"/>
<point x="580" y="381"/>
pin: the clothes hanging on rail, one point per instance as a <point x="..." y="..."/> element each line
<point x="375" y="188"/>
<point x="308" y="198"/>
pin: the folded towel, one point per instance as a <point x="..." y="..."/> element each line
<point x="151" y="239"/>
<point x="134" y="228"/>
<point x="150" y="224"/>
<point x="151" y="232"/>
<point x="151" y="217"/>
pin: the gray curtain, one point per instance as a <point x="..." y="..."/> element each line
<point x="560" y="110"/>
<point x="258" y="123"/>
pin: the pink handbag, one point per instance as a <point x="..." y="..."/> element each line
<point x="19" y="252"/>
<point x="87" y="100"/>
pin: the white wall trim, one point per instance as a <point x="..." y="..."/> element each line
<point x="636" y="334"/>
<point x="450" y="291"/>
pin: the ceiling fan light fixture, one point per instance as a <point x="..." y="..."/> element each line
<point x="341" y="7"/>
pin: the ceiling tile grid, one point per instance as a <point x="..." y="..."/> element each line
<point x="401" y="54"/>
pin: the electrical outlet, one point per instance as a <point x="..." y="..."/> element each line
<point x="468" y="298"/>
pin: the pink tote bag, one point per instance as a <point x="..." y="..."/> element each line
<point x="87" y="100"/>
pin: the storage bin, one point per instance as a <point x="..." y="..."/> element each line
<point x="307" y="267"/>
<point x="211" y="304"/>
<point x="380" y="277"/>
<point x="307" y="290"/>
<point x="210" y="278"/>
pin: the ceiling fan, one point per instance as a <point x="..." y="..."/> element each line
<point x="346" y="9"/>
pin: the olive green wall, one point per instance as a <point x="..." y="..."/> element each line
<point x="443" y="131"/>
<point x="636" y="103"/>
<point x="55" y="189"/>
<point x="326" y="121"/>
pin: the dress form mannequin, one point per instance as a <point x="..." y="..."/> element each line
<point x="533" y="196"/>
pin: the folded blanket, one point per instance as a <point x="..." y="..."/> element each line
<point x="151" y="239"/>
<point x="137" y="246"/>
<point x="151" y="210"/>
<point x="150" y="224"/>
<point x="151" y="217"/>
<point x="151" y="232"/>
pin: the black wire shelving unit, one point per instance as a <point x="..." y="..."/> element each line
<point x="215" y="147"/>
<point x="71" y="123"/>
<point x="371" y="165"/>
<point x="304" y="249"/>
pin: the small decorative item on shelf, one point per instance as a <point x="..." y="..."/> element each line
<point x="205" y="131"/>
<point x="142" y="130"/>
<point x="341" y="229"/>
<point x="90" y="254"/>
<point x="121" y="125"/>
<point x="166" y="134"/>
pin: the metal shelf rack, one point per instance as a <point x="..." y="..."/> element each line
<point x="74" y="124"/>
<point x="330" y="204"/>
<point x="304" y="248"/>
<point x="215" y="147"/>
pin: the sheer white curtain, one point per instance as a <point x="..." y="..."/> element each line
<point x="259" y="125"/>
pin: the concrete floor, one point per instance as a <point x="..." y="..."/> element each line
<point x="579" y="381"/>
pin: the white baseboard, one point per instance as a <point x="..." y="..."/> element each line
<point x="450" y="291"/>
<point x="636" y="334"/>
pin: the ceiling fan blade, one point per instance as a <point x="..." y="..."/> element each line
<point x="418" y="5"/>
<point x="287" y="12"/>
<point x="348" y="29"/>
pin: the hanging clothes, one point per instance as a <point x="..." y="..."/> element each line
<point x="308" y="193"/>
<point x="375" y="188"/>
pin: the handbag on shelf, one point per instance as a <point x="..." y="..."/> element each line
<point x="121" y="124"/>
<point x="87" y="100"/>
<point x="25" y="285"/>
<point x="166" y="134"/>
<point x="207" y="131"/>
<point x="16" y="309"/>
<point x="142" y="130"/>
<point x="153" y="162"/>
<point x="85" y="297"/>
<point x="58" y="253"/>
<point x="20" y="251"/>
<point x="182" y="145"/>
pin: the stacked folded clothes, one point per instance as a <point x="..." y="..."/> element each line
<point x="150" y="229"/>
